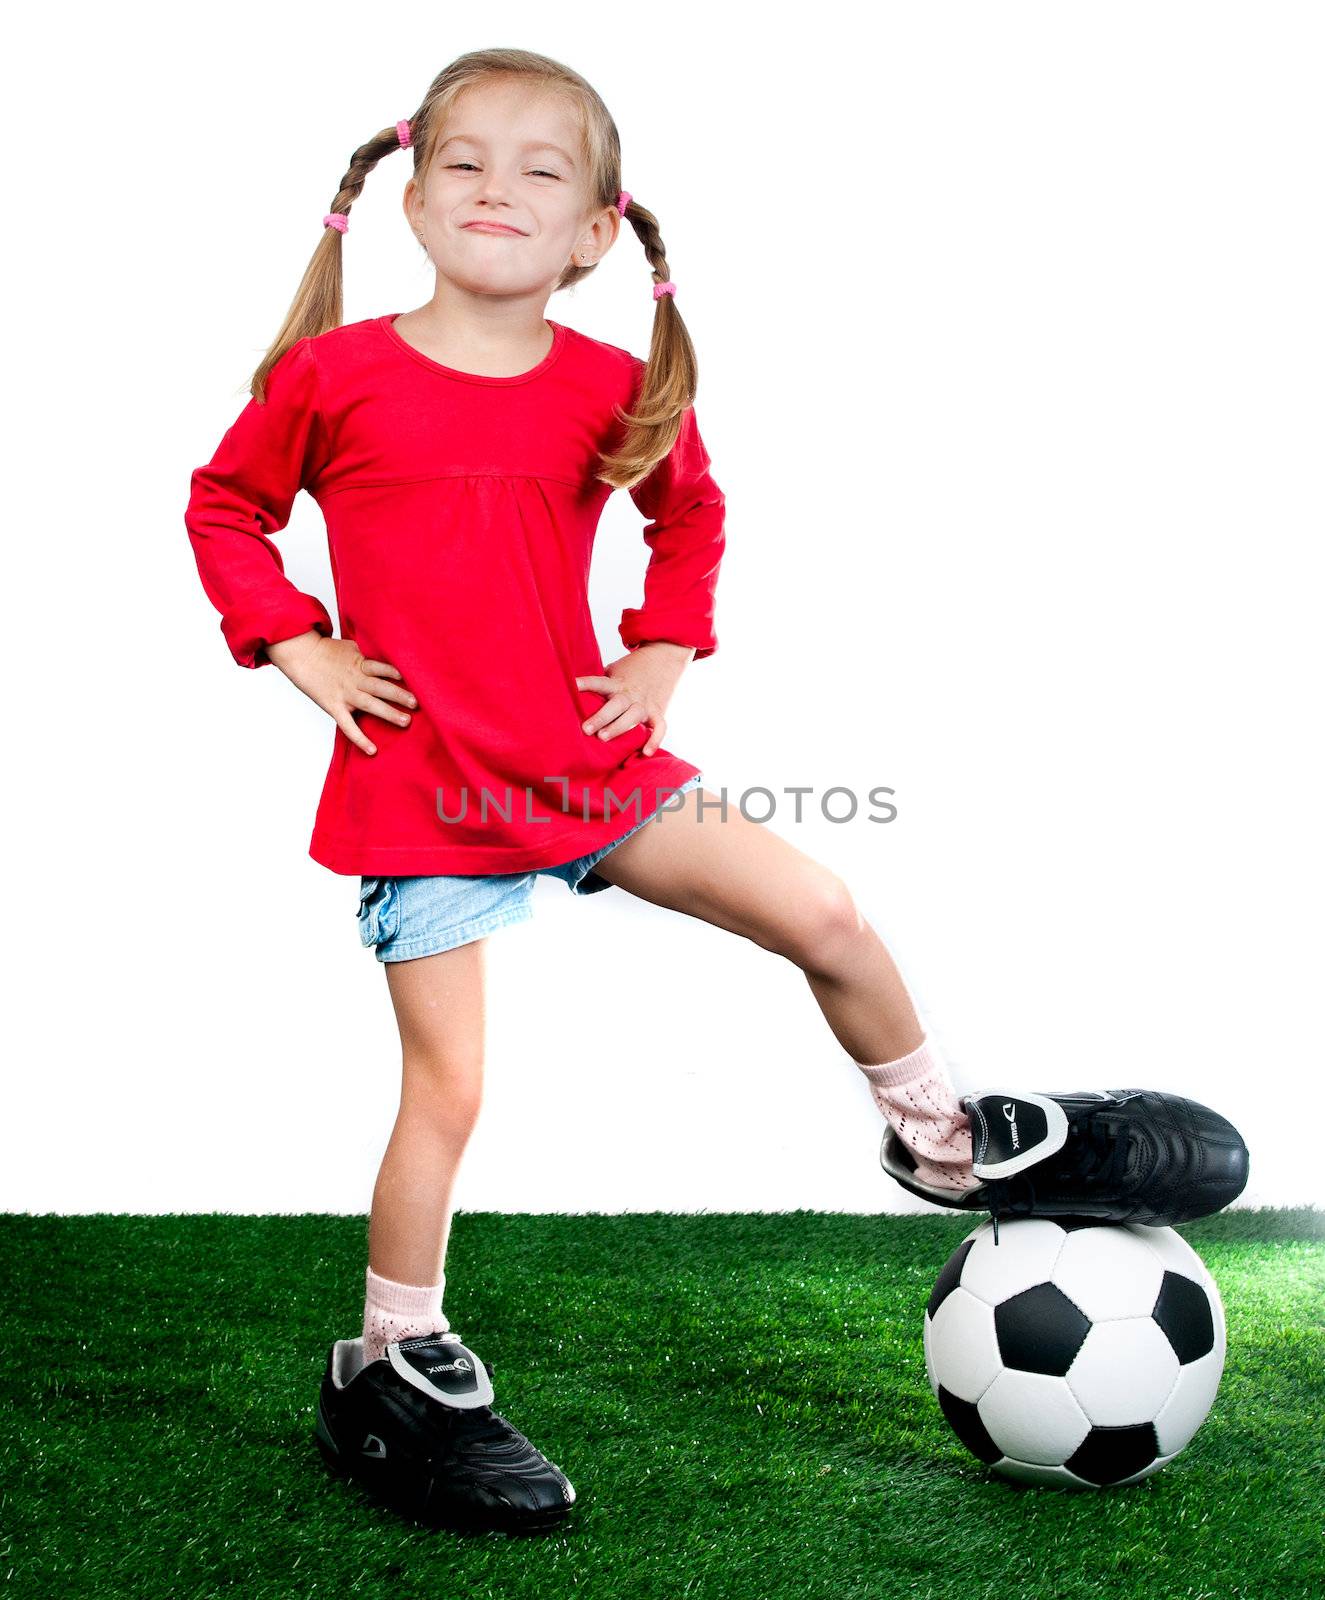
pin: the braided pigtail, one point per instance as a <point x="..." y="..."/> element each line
<point x="671" y="374"/>
<point x="318" y="301"/>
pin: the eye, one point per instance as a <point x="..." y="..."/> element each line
<point x="539" y="172"/>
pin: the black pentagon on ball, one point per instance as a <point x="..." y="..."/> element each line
<point x="1183" y="1312"/>
<point x="1040" y="1330"/>
<point x="1108" y="1455"/>
<point x="966" y="1424"/>
<point x="950" y="1277"/>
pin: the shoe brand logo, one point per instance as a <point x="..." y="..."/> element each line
<point x="373" y="1446"/>
<point x="1010" y="1112"/>
<point x="458" y="1365"/>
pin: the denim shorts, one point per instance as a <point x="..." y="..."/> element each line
<point x="403" y="918"/>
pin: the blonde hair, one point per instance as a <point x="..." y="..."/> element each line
<point x="671" y="372"/>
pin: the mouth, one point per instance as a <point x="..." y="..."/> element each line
<point x="490" y="227"/>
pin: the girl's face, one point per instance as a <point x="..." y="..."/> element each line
<point x="509" y="157"/>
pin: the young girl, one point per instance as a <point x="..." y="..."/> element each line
<point x="462" y="454"/>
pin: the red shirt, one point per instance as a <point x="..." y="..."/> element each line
<point x="461" y="512"/>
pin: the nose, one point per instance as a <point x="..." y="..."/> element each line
<point x="493" y="192"/>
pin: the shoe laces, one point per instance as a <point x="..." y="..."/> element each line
<point x="1093" y="1156"/>
<point x="1095" y="1151"/>
<point x="1002" y="1198"/>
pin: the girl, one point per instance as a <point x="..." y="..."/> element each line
<point x="461" y="454"/>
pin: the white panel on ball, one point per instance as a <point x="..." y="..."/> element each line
<point x="1033" y="1418"/>
<point x="1188" y="1406"/>
<point x="964" y="1346"/>
<point x="1123" y="1373"/>
<point x="1024" y="1256"/>
<point x="1175" y="1253"/>
<point x="1108" y="1272"/>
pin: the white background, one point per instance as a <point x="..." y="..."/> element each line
<point x="1011" y="337"/>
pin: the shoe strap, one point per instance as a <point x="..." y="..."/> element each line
<point x="1011" y="1131"/>
<point x="443" y="1368"/>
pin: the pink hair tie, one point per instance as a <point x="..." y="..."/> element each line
<point x="660" y="289"/>
<point x="403" y="133"/>
<point x="337" y="220"/>
<point x="622" y="201"/>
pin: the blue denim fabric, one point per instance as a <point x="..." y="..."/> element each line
<point x="402" y="918"/>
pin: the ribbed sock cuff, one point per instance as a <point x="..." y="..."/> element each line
<point x="891" y="1074"/>
<point x="404" y="1299"/>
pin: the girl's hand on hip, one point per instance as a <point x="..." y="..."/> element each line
<point x="639" y="687"/>
<point x="336" y="674"/>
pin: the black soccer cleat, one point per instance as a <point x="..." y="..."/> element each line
<point x="1128" y="1155"/>
<point x="416" y="1429"/>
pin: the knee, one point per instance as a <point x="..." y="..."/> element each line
<point x="444" y="1090"/>
<point x="826" y="920"/>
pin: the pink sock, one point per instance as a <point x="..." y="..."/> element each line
<point x="916" y="1095"/>
<point x="399" y="1311"/>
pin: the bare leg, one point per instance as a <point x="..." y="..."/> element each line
<point x="439" y="1005"/>
<point x="740" y="875"/>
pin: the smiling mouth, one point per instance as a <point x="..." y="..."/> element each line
<point x="490" y="227"/>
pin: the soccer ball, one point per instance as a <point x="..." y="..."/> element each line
<point x="1074" y="1353"/>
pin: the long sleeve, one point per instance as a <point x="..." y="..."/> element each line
<point x="244" y="495"/>
<point x="686" y="536"/>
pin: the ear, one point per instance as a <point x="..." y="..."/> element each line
<point x="605" y="228"/>
<point x="412" y="205"/>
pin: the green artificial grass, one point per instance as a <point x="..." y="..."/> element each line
<point x="739" y="1400"/>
